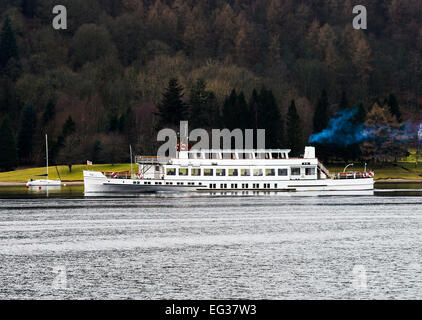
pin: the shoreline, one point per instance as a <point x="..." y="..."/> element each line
<point x="81" y="183"/>
<point x="23" y="184"/>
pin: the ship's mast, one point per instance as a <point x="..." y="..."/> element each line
<point x="46" y="151"/>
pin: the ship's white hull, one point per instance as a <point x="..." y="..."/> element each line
<point x="96" y="182"/>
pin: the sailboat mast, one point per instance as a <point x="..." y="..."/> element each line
<point x="130" y="147"/>
<point x="46" y="152"/>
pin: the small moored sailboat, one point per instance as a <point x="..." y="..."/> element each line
<point x="44" y="182"/>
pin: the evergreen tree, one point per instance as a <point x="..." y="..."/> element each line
<point x="321" y="113"/>
<point x="8" y="46"/>
<point x="26" y="133"/>
<point x="360" y="116"/>
<point x="122" y="123"/>
<point x="236" y="112"/>
<point x="354" y="151"/>
<point x="113" y="123"/>
<point x="344" y="103"/>
<point x="172" y="109"/>
<point x="97" y="150"/>
<point x="294" y="130"/>
<point x="202" y="106"/>
<point x="254" y="108"/>
<point x="8" y="150"/>
<point x="69" y="127"/>
<point x="229" y="114"/>
<point x="28" y="8"/>
<point x="49" y="113"/>
<point x="269" y="118"/>
<point x="393" y="106"/>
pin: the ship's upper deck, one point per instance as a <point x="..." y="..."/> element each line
<point x="226" y="154"/>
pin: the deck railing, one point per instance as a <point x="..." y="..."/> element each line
<point x="352" y="175"/>
<point x="151" y="160"/>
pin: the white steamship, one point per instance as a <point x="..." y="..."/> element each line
<point x="228" y="170"/>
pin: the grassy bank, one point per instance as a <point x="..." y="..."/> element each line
<point x="401" y="170"/>
<point x="66" y="175"/>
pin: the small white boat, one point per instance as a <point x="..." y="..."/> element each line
<point x="44" y="182"/>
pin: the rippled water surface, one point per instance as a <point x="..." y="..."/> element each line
<point x="283" y="246"/>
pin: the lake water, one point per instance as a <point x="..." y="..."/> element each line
<point x="284" y="246"/>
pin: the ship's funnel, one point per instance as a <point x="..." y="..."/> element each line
<point x="309" y="153"/>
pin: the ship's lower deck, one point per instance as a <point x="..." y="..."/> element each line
<point x="96" y="182"/>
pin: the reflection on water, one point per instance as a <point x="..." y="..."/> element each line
<point x="77" y="191"/>
<point x="182" y="246"/>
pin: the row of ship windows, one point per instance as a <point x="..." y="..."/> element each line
<point x="244" y="186"/>
<point x="295" y="171"/>
<point x="214" y="185"/>
<point x="237" y="155"/>
<point x="167" y="183"/>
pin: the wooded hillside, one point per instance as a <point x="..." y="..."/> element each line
<point x="283" y="65"/>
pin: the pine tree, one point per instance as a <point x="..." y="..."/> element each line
<point x="8" y="150"/>
<point x="269" y="118"/>
<point x="69" y="127"/>
<point x="28" y="8"/>
<point x="202" y="106"/>
<point x="236" y="112"/>
<point x="294" y="130"/>
<point x="360" y="116"/>
<point x="8" y="46"/>
<point x="172" y="109"/>
<point x="321" y="113"/>
<point x="385" y="143"/>
<point x="344" y="103"/>
<point x="49" y="113"/>
<point x="393" y="106"/>
<point x="26" y="133"/>
<point x="254" y="108"/>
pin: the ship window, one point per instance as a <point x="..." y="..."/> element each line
<point x="245" y="172"/>
<point x="220" y="172"/>
<point x="191" y="155"/>
<point x="282" y="172"/>
<point x="275" y="155"/>
<point x="259" y="155"/>
<point x="275" y="185"/>
<point x="183" y="172"/>
<point x="244" y="155"/>
<point x="257" y="172"/>
<point x="295" y="171"/>
<point x="233" y="172"/>
<point x="171" y="171"/>
<point x="195" y="172"/>
<point x="157" y="168"/>
<point x="270" y="172"/>
<point x="227" y="155"/>
<point x="310" y="171"/>
<point x="208" y="172"/>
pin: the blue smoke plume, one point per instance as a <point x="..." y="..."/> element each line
<point x="342" y="131"/>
